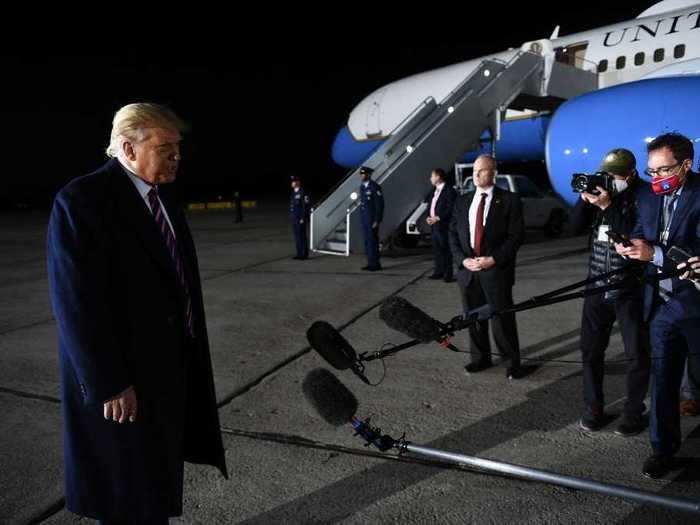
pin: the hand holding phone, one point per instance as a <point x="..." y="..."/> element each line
<point x="618" y="238"/>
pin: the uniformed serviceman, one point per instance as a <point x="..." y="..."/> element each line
<point x="372" y="213"/>
<point x="299" y="204"/>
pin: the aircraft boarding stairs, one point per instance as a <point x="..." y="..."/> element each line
<point x="435" y="135"/>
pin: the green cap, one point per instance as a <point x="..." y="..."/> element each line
<point x="619" y="161"/>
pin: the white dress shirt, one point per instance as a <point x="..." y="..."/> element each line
<point x="474" y="208"/>
<point x="436" y="196"/>
<point x="143" y="188"/>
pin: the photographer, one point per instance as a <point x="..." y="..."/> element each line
<point x="612" y="210"/>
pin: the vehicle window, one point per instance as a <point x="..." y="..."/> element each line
<point x="501" y="182"/>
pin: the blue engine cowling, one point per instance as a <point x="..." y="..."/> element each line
<point x="521" y="140"/>
<point x="628" y="116"/>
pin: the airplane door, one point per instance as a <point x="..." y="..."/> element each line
<point x="374" y="115"/>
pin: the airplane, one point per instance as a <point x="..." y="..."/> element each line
<point x="648" y="83"/>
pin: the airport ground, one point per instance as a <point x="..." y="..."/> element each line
<point x="286" y="464"/>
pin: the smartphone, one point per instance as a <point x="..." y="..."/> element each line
<point x="618" y="238"/>
<point x="677" y="255"/>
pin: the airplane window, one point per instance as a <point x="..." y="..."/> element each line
<point x="602" y="66"/>
<point x="639" y="59"/>
<point x="659" y="55"/>
<point x="620" y="63"/>
<point x="679" y="51"/>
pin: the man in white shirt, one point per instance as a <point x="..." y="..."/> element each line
<point x="441" y="201"/>
<point x="486" y="232"/>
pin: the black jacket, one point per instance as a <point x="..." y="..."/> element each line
<point x="443" y="207"/>
<point x="620" y="217"/>
<point x="504" y="232"/>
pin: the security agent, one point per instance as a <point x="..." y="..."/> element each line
<point x="668" y="216"/>
<point x="441" y="201"/>
<point x="299" y="209"/>
<point x="486" y="232"/>
<point x="371" y="213"/>
<point x="601" y="213"/>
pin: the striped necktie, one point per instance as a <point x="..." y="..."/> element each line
<point x="171" y="244"/>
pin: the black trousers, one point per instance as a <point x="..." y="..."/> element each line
<point x="596" y="326"/>
<point x="442" y="254"/>
<point x="300" y="239"/>
<point x="505" y="329"/>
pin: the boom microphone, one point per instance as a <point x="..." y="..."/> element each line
<point x="335" y="349"/>
<point x="400" y="315"/>
<point x="337" y="406"/>
<point x="329" y="397"/>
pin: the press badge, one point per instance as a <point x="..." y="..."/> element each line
<point x="602" y="232"/>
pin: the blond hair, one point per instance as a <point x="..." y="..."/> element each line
<point x="131" y="121"/>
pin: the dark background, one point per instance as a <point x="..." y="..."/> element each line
<point x="265" y="93"/>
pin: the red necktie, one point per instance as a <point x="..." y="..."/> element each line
<point x="479" y="227"/>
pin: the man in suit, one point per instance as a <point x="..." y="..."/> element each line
<point x="371" y="215"/>
<point x="669" y="215"/>
<point x="299" y="209"/>
<point x="441" y="201"/>
<point x="137" y="387"/>
<point x="486" y="232"/>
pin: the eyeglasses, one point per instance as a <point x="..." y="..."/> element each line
<point x="663" y="171"/>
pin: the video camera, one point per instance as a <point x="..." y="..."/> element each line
<point x="584" y="182"/>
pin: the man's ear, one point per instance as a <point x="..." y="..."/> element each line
<point x="128" y="149"/>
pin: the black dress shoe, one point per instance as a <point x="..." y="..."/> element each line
<point x="514" y="372"/>
<point x="449" y="279"/>
<point x="435" y="277"/>
<point x="630" y="426"/>
<point x="657" y="466"/>
<point x="365" y="268"/>
<point x="374" y="269"/>
<point x="478" y="366"/>
<point x="592" y="422"/>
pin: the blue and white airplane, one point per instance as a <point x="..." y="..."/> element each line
<point x="648" y="83"/>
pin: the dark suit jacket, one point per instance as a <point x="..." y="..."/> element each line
<point x="120" y="317"/>
<point x="684" y="233"/>
<point x="504" y="232"/>
<point x="443" y="206"/>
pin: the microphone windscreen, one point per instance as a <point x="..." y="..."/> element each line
<point x="402" y="316"/>
<point x="331" y="398"/>
<point x="330" y="345"/>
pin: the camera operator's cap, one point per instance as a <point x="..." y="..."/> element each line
<point x="365" y="170"/>
<point x="618" y="161"/>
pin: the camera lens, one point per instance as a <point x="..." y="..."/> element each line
<point x="579" y="183"/>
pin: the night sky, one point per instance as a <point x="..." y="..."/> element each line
<point x="264" y="94"/>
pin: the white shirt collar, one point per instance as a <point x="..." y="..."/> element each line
<point x="141" y="185"/>
<point x="365" y="184"/>
<point x="487" y="191"/>
<point x="440" y="186"/>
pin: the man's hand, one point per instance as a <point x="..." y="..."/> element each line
<point x="122" y="407"/>
<point x="602" y="201"/>
<point x="375" y="225"/>
<point x="477" y="264"/>
<point x="433" y="220"/>
<point x="694" y="270"/>
<point x="640" y="250"/>
<point x="301" y="221"/>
